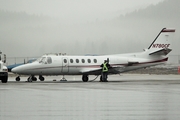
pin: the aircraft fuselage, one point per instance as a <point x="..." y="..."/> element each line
<point x="78" y="65"/>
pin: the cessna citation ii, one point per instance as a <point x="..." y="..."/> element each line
<point x="58" y="64"/>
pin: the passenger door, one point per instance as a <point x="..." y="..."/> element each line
<point x="65" y="65"/>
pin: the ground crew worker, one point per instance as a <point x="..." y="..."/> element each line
<point x="105" y="68"/>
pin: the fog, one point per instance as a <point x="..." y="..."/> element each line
<point x="76" y="11"/>
<point x="34" y="27"/>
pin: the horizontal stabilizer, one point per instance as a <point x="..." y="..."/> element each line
<point x="164" y="51"/>
<point x="97" y="71"/>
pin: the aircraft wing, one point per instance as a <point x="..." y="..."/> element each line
<point x="97" y="71"/>
<point x="92" y="71"/>
<point x="132" y="62"/>
<point x="163" y="51"/>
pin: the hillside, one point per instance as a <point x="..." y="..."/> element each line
<point x="10" y="19"/>
<point x="148" y="21"/>
<point x="166" y="10"/>
<point x="164" y="14"/>
<point x="34" y="35"/>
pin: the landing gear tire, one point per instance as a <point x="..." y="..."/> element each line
<point x="85" y="78"/>
<point x="18" y="78"/>
<point x="4" y="79"/>
<point x="41" y="78"/>
<point x="34" y="78"/>
<point x="31" y="78"/>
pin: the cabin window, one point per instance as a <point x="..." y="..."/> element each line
<point x="77" y="60"/>
<point x="95" y="61"/>
<point x="89" y="61"/>
<point x="71" y="60"/>
<point x="83" y="61"/>
<point x="49" y="60"/>
<point x="65" y="61"/>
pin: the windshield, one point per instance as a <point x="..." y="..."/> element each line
<point x="49" y="60"/>
<point x="45" y="60"/>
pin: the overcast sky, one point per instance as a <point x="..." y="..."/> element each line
<point x="76" y="10"/>
<point x="34" y="36"/>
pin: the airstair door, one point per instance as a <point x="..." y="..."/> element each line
<point x="65" y="65"/>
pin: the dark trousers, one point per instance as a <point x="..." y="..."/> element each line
<point x="104" y="76"/>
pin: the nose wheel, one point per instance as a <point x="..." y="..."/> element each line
<point x="41" y="78"/>
<point x="18" y="78"/>
<point x="31" y="78"/>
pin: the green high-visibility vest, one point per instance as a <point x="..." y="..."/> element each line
<point x="105" y="69"/>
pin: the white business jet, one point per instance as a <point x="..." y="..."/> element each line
<point x="58" y="64"/>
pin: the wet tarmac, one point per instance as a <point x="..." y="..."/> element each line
<point x="125" y="97"/>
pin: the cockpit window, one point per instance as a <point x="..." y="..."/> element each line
<point x="41" y="59"/>
<point x="49" y="60"/>
<point x="45" y="60"/>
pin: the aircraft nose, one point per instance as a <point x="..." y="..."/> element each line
<point x="15" y="70"/>
<point x="22" y="69"/>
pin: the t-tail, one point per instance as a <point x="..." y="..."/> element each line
<point x="162" y="43"/>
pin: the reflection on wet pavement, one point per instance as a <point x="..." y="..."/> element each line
<point x="137" y="100"/>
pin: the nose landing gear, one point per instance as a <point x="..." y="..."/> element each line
<point x="31" y="78"/>
<point x="41" y="78"/>
<point x="18" y="78"/>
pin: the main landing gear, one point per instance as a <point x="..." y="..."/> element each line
<point x="85" y="78"/>
<point x="31" y="78"/>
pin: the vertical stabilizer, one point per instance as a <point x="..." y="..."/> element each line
<point x="162" y="43"/>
